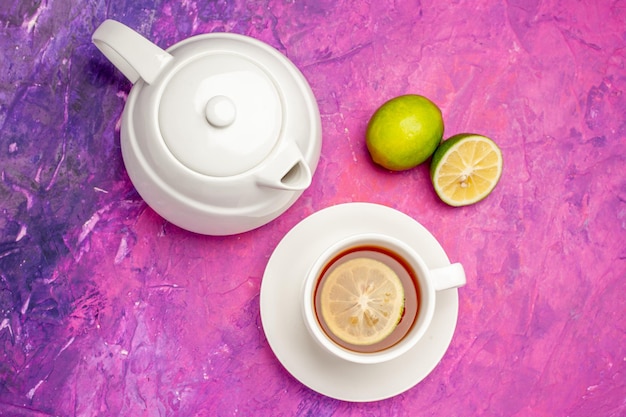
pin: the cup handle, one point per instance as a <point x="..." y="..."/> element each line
<point x="451" y="276"/>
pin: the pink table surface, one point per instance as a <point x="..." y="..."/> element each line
<point x="106" y="309"/>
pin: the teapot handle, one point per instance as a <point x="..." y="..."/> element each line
<point x="135" y="56"/>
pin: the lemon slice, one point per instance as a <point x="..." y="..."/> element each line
<point x="465" y="169"/>
<point x="362" y="301"/>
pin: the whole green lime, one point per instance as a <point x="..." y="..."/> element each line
<point x="404" y="132"/>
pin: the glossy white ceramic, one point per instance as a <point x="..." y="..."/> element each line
<point x="429" y="282"/>
<point x="281" y="306"/>
<point x="220" y="133"/>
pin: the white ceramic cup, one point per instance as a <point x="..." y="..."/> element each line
<point x="429" y="281"/>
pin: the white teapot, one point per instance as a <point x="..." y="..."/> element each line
<point x="220" y="134"/>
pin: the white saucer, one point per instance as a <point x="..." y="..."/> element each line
<point x="283" y="322"/>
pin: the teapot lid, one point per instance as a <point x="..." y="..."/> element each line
<point x="220" y="113"/>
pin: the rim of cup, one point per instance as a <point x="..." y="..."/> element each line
<point x="426" y="301"/>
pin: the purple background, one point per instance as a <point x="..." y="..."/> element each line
<point x="106" y="309"/>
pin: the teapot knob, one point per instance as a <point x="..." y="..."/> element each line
<point x="220" y="111"/>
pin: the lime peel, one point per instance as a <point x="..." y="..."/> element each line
<point x="404" y="132"/>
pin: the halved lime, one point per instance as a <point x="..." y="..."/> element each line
<point x="465" y="169"/>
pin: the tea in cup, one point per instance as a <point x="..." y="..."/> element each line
<point x="370" y="298"/>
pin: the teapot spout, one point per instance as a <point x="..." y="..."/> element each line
<point x="286" y="171"/>
<point x="297" y="178"/>
<point x="135" y="56"/>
